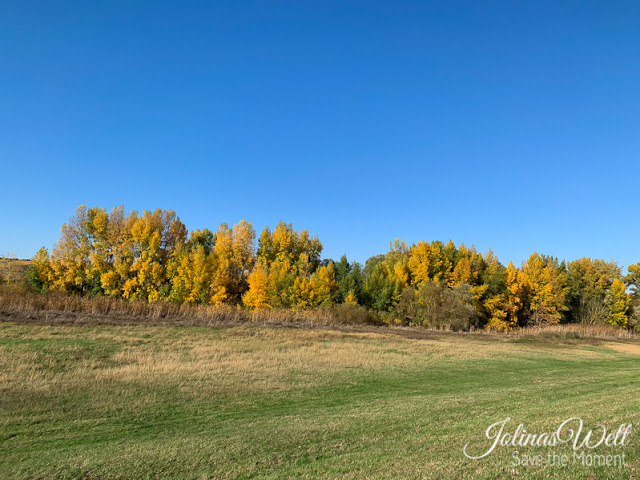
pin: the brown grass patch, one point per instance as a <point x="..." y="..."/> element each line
<point x="252" y="358"/>
<point x="578" y="330"/>
<point x="56" y="308"/>
<point x="624" y="347"/>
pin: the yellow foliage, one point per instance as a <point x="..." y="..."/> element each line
<point x="219" y="296"/>
<point x="257" y="295"/>
<point x="497" y="314"/>
<point x="419" y="260"/>
<point x="155" y="239"/>
<point x="285" y="242"/>
<point x="41" y="264"/>
<point x="323" y="284"/>
<point x="546" y="289"/>
<point x="234" y="259"/>
<point x="462" y="273"/>
<point x="222" y="282"/>
<point x="351" y="299"/>
<point x="401" y="273"/>
<point x="618" y="302"/>
<point x="191" y="275"/>
<point x="517" y="288"/>
<point x="244" y="237"/>
<point x="282" y="275"/>
<point x="303" y="294"/>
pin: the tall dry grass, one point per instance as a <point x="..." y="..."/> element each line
<point x="577" y="330"/>
<point x="20" y="302"/>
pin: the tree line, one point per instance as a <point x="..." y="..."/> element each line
<point x="153" y="257"/>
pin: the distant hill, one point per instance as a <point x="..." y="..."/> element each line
<point x="13" y="270"/>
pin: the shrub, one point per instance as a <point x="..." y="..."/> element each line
<point x="434" y="305"/>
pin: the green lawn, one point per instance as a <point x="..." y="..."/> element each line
<point x="264" y="402"/>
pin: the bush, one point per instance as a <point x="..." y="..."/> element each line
<point x="354" y="314"/>
<point x="434" y="305"/>
<point x="34" y="280"/>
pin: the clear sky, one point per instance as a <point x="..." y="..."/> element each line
<point x="508" y="125"/>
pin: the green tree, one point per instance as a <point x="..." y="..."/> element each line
<point x="588" y="282"/>
<point x="632" y="279"/>
<point x="350" y="279"/>
<point x="381" y="291"/>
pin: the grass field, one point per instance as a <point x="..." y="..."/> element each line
<point x="139" y="402"/>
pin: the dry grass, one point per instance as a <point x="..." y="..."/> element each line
<point x="245" y="357"/>
<point x="20" y="302"/>
<point x="579" y="330"/>
<point x="58" y="308"/>
<point x="13" y="270"/>
<point x="239" y="358"/>
<point x="253" y="401"/>
<point x="624" y="347"/>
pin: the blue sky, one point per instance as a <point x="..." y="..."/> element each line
<point x="509" y="125"/>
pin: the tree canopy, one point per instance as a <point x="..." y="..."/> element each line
<point x="153" y="257"/>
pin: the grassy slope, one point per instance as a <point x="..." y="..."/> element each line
<point x="13" y="270"/>
<point x="247" y="402"/>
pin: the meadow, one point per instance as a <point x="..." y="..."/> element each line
<point x="275" y="401"/>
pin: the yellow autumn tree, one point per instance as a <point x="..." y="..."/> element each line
<point x="432" y="262"/>
<point x="497" y="313"/>
<point x="418" y="263"/>
<point x="121" y="251"/>
<point x="281" y="278"/>
<point x="40" y="274"/>
<point x="191" y="274"/>
<point x="302" y="293"/>
<point x="462" y="273"/>
<point x="99" y="249"/>
<point x="265" y="252"/>
<point x="258" y="294"/>
<point x="235" y="258"/>
<point x="290" y="257"/>
<point x="440" y="263"/>
<point x="618" y="302"/>
<point x="324" y="285"/>
<point x="546" y="289"/>
<point x="351" y="298"/>
<point x="316" y="289"/>
<point x="222" y="282"/>
<point x="517" y="291"/>
<point x="70" y="260"/>
<point x="285" y="242"/>
<point x="244" y="254"/>
<point x="396" y="263"/>
<point x="155" y="238"/>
